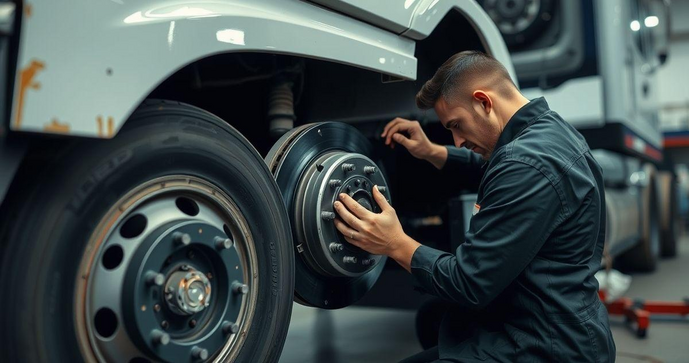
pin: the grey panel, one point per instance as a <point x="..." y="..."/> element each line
<point x="393" y="15"/>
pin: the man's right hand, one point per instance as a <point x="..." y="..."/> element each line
<point x="410" y="135"/>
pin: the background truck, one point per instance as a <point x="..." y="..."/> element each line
<point x="597" y="63"/>
<point x="139" y="220"/>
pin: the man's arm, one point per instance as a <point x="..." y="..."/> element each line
<point x="518" y="211"/>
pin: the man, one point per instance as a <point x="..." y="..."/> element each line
<point x="522" y="283"/>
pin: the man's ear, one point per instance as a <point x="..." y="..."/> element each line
<point x="483" y="101"/>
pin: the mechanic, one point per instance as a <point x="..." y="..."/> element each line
<point x="522" y="284"/>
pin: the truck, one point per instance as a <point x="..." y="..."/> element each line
<point x="597" y="64"/>
<point x="167" y="168"/>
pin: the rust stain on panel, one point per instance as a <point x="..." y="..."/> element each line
<point x="26" y="82"/>
<point x="99" y="121"/>
<point x="28" y="10"/>
<point x="110" y="127"/>
<point x="57" y="127"/>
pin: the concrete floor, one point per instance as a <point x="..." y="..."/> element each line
<point x="361" y="335"/>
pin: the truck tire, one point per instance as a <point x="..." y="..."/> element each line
<point x="670" y="215"/>
<point x="170" y="242"/>
<point x="644" y="255"/>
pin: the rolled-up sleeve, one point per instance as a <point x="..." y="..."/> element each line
<point x="519" y="208"/>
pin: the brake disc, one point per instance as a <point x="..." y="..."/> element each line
<point x="312" y="165"/>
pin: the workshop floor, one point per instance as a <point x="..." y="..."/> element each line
<point x="377" y="335"/>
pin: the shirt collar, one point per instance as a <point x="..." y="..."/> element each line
<point x="521" y="119"/>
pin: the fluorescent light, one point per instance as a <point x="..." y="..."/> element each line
<point x="651" y="21"/>
<point x="635" y="25"/>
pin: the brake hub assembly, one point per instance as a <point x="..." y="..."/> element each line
<point x="313" y="164"/>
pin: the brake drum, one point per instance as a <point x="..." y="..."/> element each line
<point x="312" y="165"/>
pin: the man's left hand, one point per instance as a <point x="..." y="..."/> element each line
<point x="376" y="233"/>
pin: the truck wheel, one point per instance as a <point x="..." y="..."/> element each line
<point x="168" y="243"/>
<point x="644" y="255"/>
<point x="671" y="223"/>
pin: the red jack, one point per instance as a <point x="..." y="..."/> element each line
<point x="637" y="312"/>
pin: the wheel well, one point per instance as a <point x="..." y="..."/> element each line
<point x="235" y="86"/>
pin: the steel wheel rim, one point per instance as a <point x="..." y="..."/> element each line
<point x="216" y="210"/>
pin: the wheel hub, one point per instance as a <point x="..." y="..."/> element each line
<point x="187" y="292"/>
<point x="163" y="283"/>
<point x="325" y="178"/>
<point x="312" y="165"/>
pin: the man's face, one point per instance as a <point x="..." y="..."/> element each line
<point x="472" y="126"/>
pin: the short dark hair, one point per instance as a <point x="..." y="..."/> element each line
<point x="461" y="69"/>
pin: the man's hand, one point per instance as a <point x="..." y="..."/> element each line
<point x="410" y="135"/>
<point x="380" y="234"/>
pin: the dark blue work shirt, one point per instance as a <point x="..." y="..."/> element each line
<point x="523" y="280"/>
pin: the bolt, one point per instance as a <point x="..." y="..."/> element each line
<point x="334" y="183"/>
<point x="368" y="261"/>
<point x="348" y="167"/>
<point x="222" y="243"/>
<point x="184" y="267"/>
<point x="357" y="183"/>
<point x="230" y="328"/>
<point x="328" y="216"/>
<point x="159" y="337"/>
<point x="349" y="259"/>
<point x="369" y="169"/>
<point x="335" y="247"/>
<point x="240" y="288"/>
<point x="199" y="353"/>
<point x="192" y="323"/>
<point x="382" y="189"/>
<point x="182" y="239"/>
<point x="156" y="307"/>
<point x="164" y="324"/>
<point x="154" y="278"/>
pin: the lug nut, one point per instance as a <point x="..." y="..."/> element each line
<point x="328" y="216"/>
<point x="349" y="259"/>
<point x="223" y="243"/>
<point x="192" y="323"/>
<point x="230" y="328"/>
<point x="357" y="183"/>
<point x="156" y="307"/>
<point x="182" y="239"/>
<point x="164" y="324"/>
<point x="160" y="337"/>
<point x="335" y="247"/>
<point x="334" y="183"/>
<point x="369" y="169"/>
<point x="382" y="189"/>
<point x="199" y="353"/>
<point x="240" y="288"/>
<point x="368" y="261"/>
<point x="154" y="278"/>
<point x="348" y="167"/>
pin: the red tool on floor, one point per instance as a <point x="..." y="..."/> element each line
<point x="637" y="312"/>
